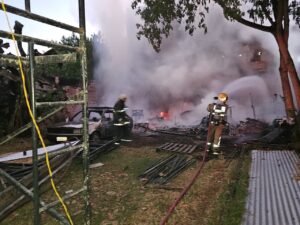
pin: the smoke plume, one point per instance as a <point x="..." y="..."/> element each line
<point x="189" y="71"/>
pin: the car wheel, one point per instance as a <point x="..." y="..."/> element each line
<point x="95" y="137"/>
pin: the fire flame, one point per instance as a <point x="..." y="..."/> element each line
<point x="164" y="115"/>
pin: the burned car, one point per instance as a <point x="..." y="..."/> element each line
<point x="100" y="121"/>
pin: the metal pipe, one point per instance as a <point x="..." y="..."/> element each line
<point x="70" y="102"/>
<point x="97" y="150"/>
<point x="27" y="126"/>
<point x="41" y="182"/>
<point x="86" y="172"/>
<point x="158" y="164"/>
<point x="27" y="5"/>
<point x="4" y="59"/>
<point x="36" y="17"/>
<point x="178" y="170"/>
<point x="29" y="194"/>
<point x="57" y="58"/>
<point x="81" y="7"/>
<point x="37" y="41"/>
<point x="36" y="193"/>
<point x="52" y="204"/>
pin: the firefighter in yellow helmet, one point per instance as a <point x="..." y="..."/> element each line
<point x="217" y="122"/>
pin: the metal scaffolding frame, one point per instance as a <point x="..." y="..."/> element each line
<point x="39" y="205"/>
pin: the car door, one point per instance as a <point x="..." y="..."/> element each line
<point x="94" y="121"/>
<point x="107" y="123"/>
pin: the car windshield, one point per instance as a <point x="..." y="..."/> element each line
<point x="93" y="116"/>
<point x="108" y="115"/>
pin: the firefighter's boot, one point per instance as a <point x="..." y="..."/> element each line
<point x="216" y="151"/>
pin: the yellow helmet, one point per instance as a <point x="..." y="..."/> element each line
<point x="223" y="97"/>
<point x="123" y="96"/>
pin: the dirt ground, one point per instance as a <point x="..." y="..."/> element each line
<point x="118" y="197"/>
<point x="16" y="145"/>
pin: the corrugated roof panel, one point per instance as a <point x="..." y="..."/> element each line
<point x="273" y="194"/>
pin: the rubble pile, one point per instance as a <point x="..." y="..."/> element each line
<point x="250" y="126"/>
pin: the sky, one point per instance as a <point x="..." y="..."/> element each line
<point x="65" y="11"/>
<point x="187" y="67"/>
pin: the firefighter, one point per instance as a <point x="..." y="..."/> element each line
<point x="217" y="122"/>
<point x="121" y="120"/>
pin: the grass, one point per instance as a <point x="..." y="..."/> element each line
<point x="119" y="202"/>
<point x="231" y="203"/>
<point x="118" y="198"/>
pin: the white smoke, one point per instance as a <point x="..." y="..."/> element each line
<point x="188" y="72"/>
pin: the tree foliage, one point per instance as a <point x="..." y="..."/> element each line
<point x="158" y="16"/>
<point x="72" y="40"/>
<point x="295" y="11"/>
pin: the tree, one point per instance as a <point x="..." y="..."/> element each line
<point x="272" y="16"/>
<point x="70" y="71"/>
<point x="74" y="40"/>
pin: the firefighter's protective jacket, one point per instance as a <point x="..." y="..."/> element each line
<point x="217" y="122"/>
<point x="218" y="113"/>
<point x="120" y="111"/>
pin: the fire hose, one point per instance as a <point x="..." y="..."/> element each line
<point x="189" y="184"/>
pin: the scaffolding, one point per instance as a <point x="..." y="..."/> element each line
<point x="30" y="61"/>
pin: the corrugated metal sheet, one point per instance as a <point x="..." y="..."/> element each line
<point x="274" y="195"/>
<point x="41" y="151"/>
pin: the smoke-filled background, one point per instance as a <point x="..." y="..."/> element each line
<point x="190" y="70"/>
